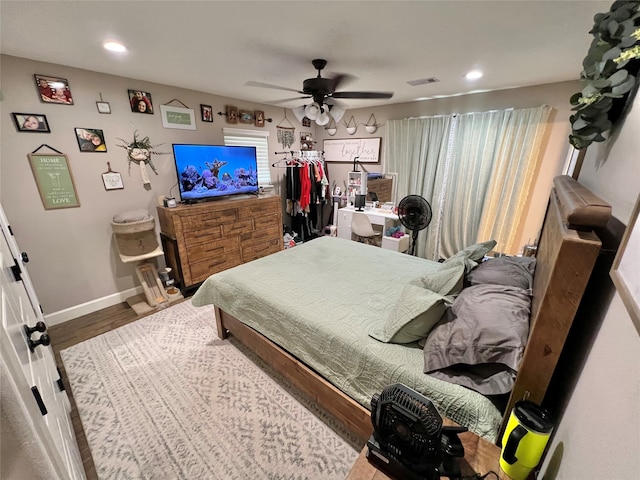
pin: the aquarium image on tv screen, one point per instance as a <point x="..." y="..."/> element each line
<point x="209" y="171"/>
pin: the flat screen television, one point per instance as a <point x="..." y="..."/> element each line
<point x="206" y="172"/>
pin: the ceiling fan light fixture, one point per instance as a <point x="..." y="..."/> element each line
<point x="312" y="111"/>
<point x="337" y="112"/>
<point x="299" y="113"/>
<point x="323" y="118"/>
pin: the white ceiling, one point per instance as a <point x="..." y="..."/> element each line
<point x="217" y="46"/>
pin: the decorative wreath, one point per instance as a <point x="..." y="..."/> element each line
<point x="609" y="73"/>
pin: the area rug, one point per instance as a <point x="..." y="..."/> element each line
<point x="165" y="398"/>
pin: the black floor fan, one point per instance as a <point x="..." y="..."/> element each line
<point x="414" y="213"/>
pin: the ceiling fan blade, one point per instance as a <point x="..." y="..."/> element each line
<point x="362" y="94"/>
<point x="268" y="85"/>
<point x="332" y="101"/>
<point x="339" y="79"/>
<point x="285" y="100"/>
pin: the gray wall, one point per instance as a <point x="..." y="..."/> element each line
<point x="73" y="257"/>
<point x="74" y="263"/>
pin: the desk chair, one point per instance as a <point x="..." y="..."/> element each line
<point x="362" y="229"/>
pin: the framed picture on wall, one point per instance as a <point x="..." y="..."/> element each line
<point x="207" y="113"/>
<point x="103" y="107"/>
<point x="232" y="114"/>
<point x="245" y="116"/>
<point x="53" y="90"/>
<point x="31" y="122"/>
<point x="90" y="140"/>
<point x="178" y="117"/>
<point x="259" y="118"/>
<point x="345" y="150"/>
<point x="140" y="102"/>
<point x="54" y="180"/>
<point x="112" y="181"/>
<point x="624" y="271"/>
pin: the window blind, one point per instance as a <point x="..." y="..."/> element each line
<point x="252" y="138"/>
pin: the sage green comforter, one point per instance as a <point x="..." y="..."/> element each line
<point x="320" y="300"/>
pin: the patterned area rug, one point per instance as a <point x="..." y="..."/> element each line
<point x="165" y="398"/>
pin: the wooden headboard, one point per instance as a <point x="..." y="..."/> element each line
<point x="567" y="252"/>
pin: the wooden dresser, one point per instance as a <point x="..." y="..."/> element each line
<point x="204" y="238"/>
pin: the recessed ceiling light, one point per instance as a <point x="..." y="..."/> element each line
<point x="115" y="47"/>
<point x="473" y="75"/>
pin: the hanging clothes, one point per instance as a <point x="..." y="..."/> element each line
<point x="305" y="186"/>
<point x="306" y="192"/>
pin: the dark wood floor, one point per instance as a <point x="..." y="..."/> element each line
<point x="78" y="330"/>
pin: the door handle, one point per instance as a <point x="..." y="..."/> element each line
<point x="25" y="257"/>
<point x="39" y="401"/>
<point x="39" y="327"/>
<point x="16" y="270"/>
<point x="43" y="340"/>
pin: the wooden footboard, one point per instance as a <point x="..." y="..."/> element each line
<point x="354" y="416"/>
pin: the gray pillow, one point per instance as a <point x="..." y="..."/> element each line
<point x="486" y="324"/>
<point x="486" y="378"/>
<point x="513" y="271"/>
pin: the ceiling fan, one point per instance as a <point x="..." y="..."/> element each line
<point x="323" y="91"/>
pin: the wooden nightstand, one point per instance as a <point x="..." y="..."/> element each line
<point x="480" y="457"/>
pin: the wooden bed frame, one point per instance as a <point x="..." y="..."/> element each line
<point x="566" y="254"/>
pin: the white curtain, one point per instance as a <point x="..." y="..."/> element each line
<point x="415" y="150"/>
<point x="474" y="169"/>
<point x="515" y="167"/>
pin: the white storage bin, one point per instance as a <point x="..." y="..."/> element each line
<point x="397" y="244"/>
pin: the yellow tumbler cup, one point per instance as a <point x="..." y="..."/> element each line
<point x="525" y="439"/>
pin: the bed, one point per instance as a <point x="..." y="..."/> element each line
<point x="321" y="312"/>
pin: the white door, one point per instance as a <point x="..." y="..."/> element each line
<point x="32" y="368"/>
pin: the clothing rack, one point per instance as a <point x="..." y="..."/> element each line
<point x="298" y="157"/>
<point x="306" y="186"/>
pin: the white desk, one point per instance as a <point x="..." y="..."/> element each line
<point x="377" y="216"/>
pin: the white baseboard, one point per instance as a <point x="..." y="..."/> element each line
<point x="76" y="311"/>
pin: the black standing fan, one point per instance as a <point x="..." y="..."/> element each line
<point x="415" y="214"/>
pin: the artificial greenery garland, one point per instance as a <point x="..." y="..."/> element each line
<point x="609" y="73"/>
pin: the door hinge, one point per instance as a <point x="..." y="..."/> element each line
<point x="39" y="401"/>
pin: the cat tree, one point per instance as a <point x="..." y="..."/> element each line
<point x="137" y="242"/>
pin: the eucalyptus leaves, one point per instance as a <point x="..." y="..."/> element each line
<point x="609" y="72"/>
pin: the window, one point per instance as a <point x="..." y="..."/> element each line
<point x="252" y="138"/>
